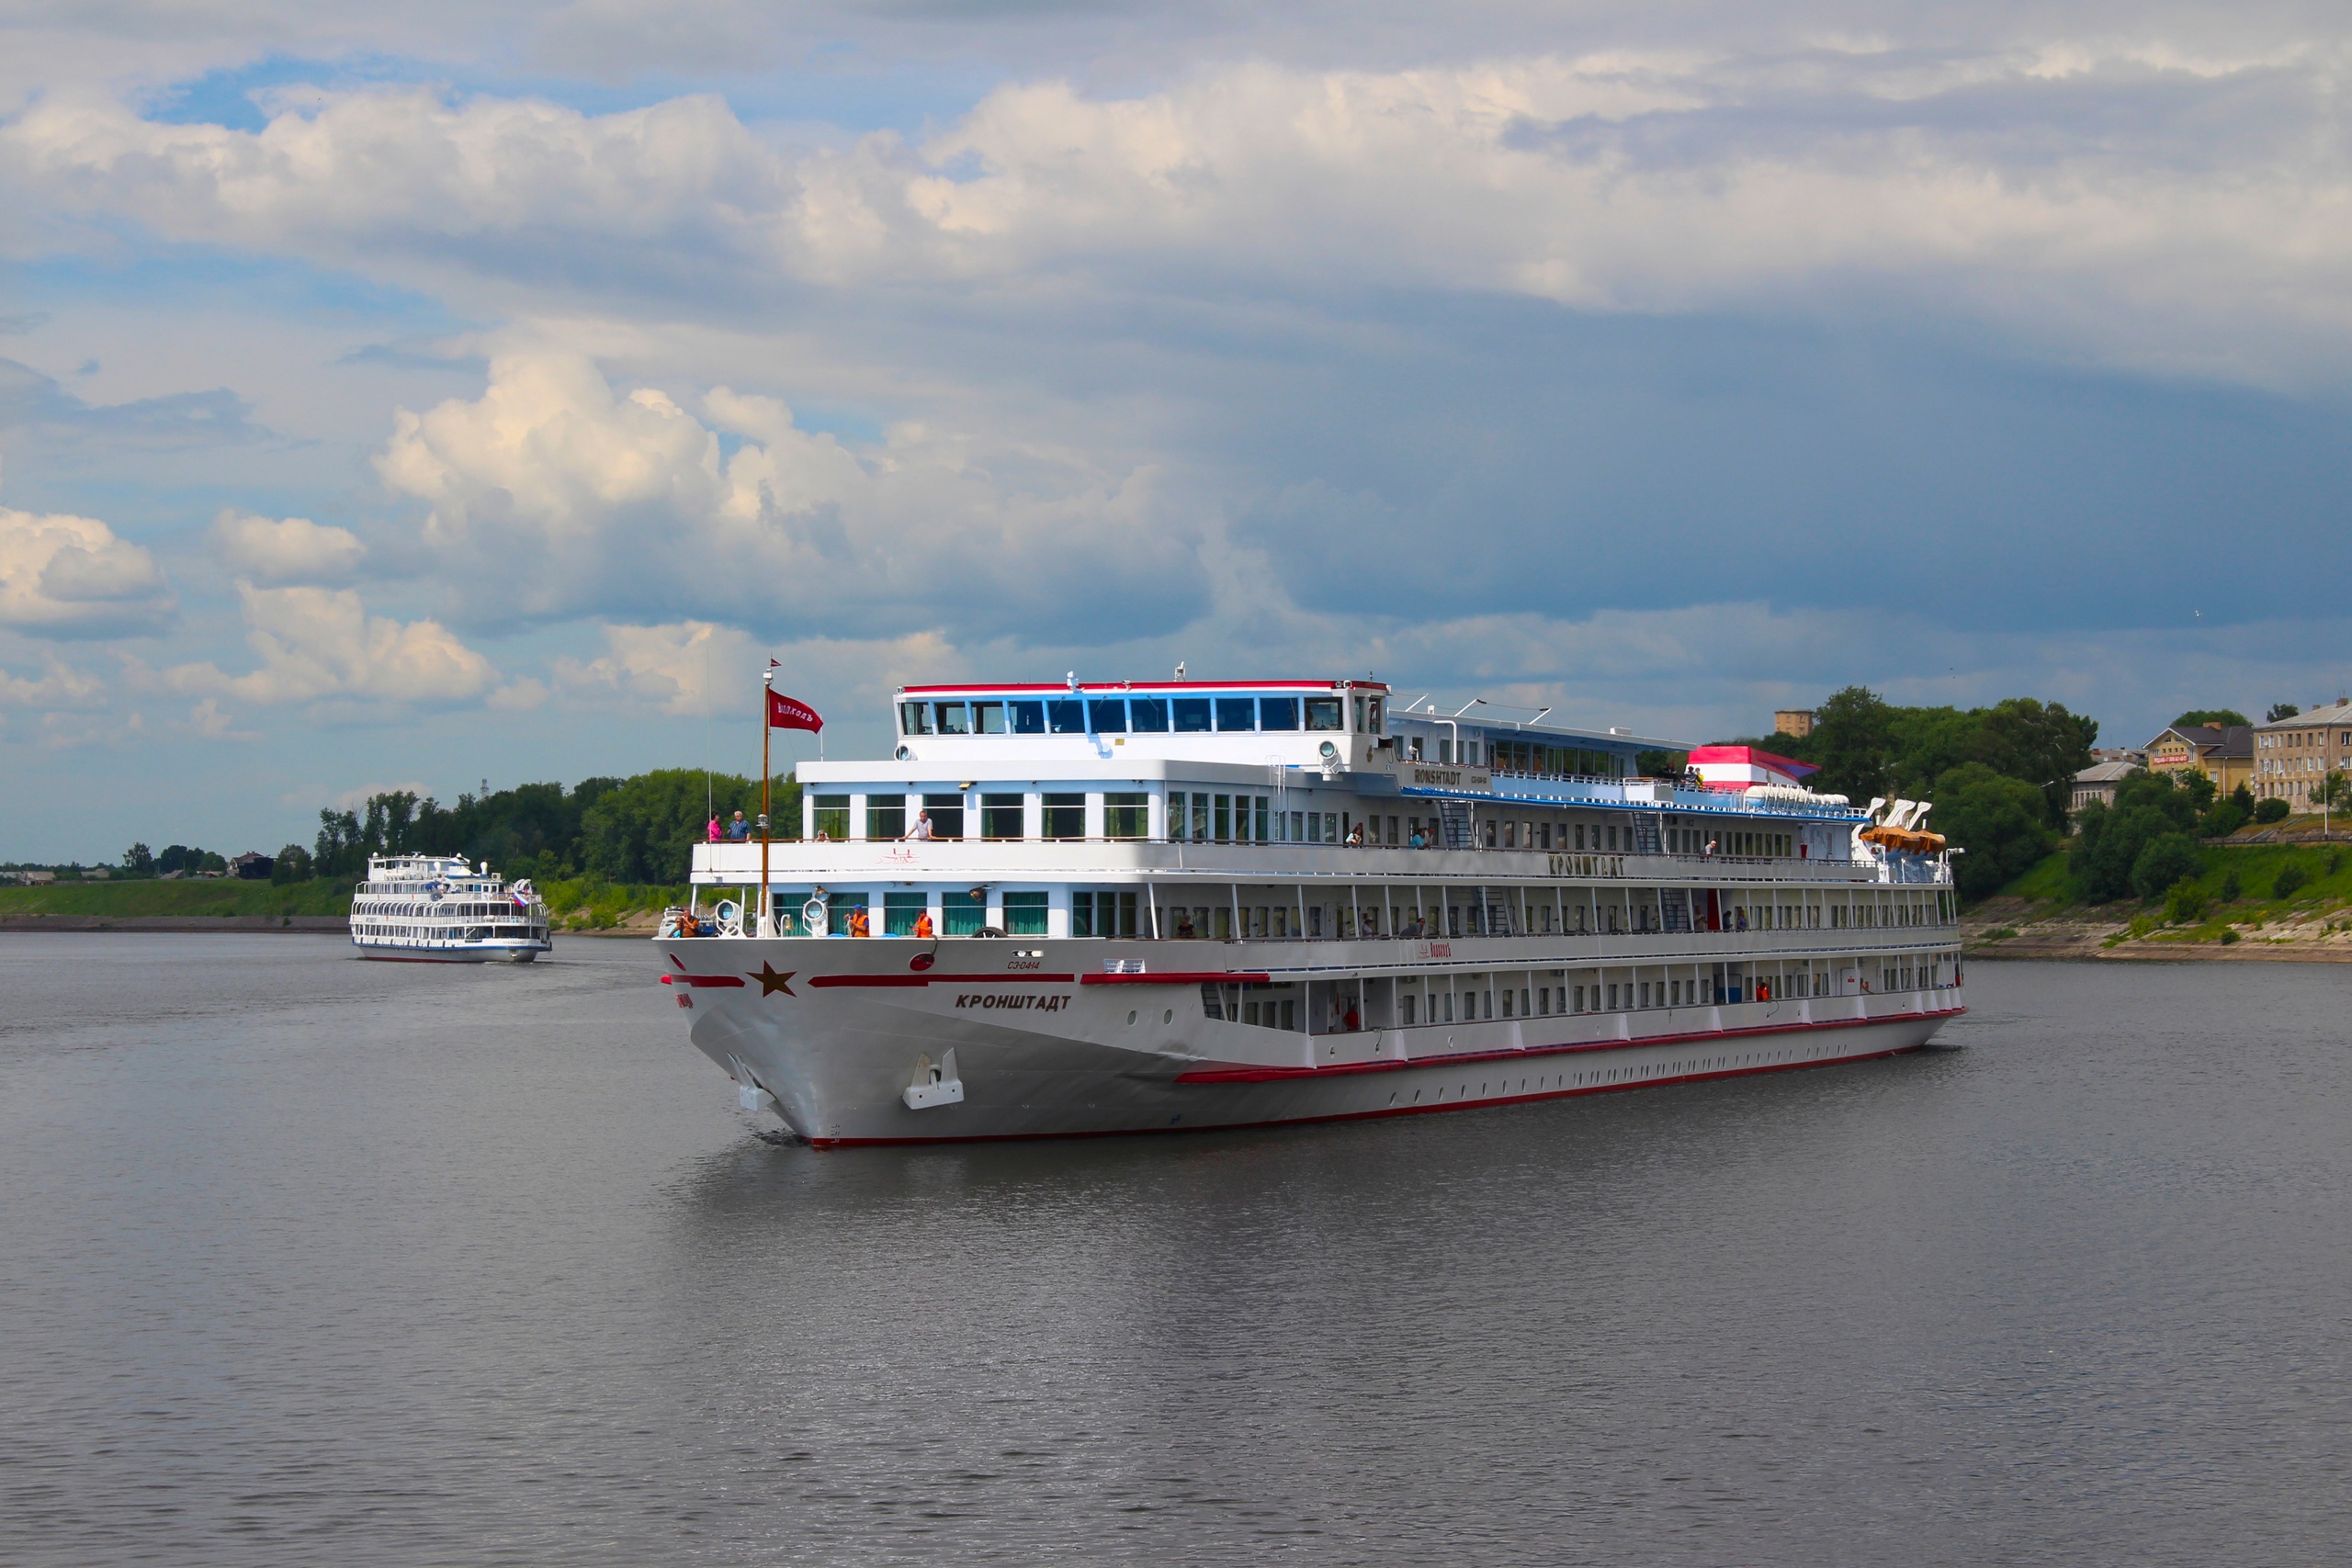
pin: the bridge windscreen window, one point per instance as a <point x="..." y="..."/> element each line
<point x="1066" y="716"/>
<point x="1326" y="713"/>
<point x="1110" y="715"/>
<point x="1192" y="715"/>
<point x="1278" y="713"/>
<point x="1065" y="816"/>
<point x="1126" y="816"/>
<point x="953" y="718"/>
<point x="988" y="719"/>
<point x="1147" y="716"/>
<point x="1237" y="713"/>
<point x="1000" y="816"/>
<point x="946" y="814"/>
<point x="1028" y="718"/>
<point x="914" y="718"/>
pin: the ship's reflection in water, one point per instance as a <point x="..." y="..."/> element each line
<point x="307" y="1259"/>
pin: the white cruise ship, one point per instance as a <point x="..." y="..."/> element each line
<point x="1168" y="905"/>
<point x="440" y="910"/>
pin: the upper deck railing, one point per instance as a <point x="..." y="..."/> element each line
<point x="736" y="862"/>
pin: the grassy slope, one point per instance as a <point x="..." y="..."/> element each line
<point x="226" y="896"/>
<point x="2255" y="867"/>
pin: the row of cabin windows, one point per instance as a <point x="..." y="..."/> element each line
<point x="1126" y="814"/>
<point x="1210" y="817"/>
<point x="1547" y="911"/>
<point x="1140" y="715"/>
<point x="1478" y="998"/>
<point x="1018" y="914"/>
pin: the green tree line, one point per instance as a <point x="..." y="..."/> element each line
<point x="2001" y="777"/>
<point x="635" y="830"/>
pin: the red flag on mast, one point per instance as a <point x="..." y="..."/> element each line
<point x="791" y="713"/>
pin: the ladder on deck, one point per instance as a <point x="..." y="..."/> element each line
<point x="1453" y="823"/>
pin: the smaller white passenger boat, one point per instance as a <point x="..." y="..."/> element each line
<point x="441" y="909"/>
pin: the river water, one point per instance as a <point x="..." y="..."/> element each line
<point x="304" y="1260"/>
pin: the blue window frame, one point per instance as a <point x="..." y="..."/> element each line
<point x="1110" y="714"/>
<point x="1148" y="715"/>
<point x="1192" y="715"/>
<point x="1278" y="713"/>
<point x="1066" y="717"/>
<point x="1237" y="713"/>
<point x="1028" y="718"/>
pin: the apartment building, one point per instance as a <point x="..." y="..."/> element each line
<point x="2292" y="757"/>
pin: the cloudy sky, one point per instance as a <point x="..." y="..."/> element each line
<point x="432" y="393"/>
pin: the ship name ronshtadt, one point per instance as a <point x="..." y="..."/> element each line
<point x="1428" y="776"/>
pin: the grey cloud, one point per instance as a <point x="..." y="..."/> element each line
<point x="32" y="401"/>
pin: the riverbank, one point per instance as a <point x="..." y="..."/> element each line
<point x="2019" y="928"/>
<point x="578" y="907"/>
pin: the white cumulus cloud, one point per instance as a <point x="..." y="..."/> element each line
<point x="678" y="669"/>
<point x="292" y="549"/>
<point x="552" y="496"/>
<point x="318" y="643"/>
<point x="66" y="576"/>
<point x="58" y="685"/>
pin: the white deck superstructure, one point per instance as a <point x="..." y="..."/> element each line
<point x="440" y="908"/>
<point x="1144" y="906"/>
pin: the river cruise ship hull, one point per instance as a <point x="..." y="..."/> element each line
<point x="1112" y="923"/>
<point x="841" y="1035"/>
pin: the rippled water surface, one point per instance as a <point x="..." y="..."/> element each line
<point x="304" y="1260"/>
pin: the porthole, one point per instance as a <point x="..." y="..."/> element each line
<point x="1131" y="1018"/>
<point x="1167" y="1017"/>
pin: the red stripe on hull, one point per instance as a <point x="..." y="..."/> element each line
<point x="891" y="981"/>
<point x="1522" y="1053"/>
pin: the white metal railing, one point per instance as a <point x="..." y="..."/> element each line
<point x="1086" y="858"/>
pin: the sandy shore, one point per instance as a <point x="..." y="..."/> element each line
<point x="2077" y="934"/>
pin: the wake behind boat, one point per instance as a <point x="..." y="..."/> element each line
<point x="440" y="910"/>
<point x="1148" y="906"/>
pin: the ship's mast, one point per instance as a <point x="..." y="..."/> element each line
<point x="767" y="686"/>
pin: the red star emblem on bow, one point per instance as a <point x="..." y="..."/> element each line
<point x="771" y="982"/>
